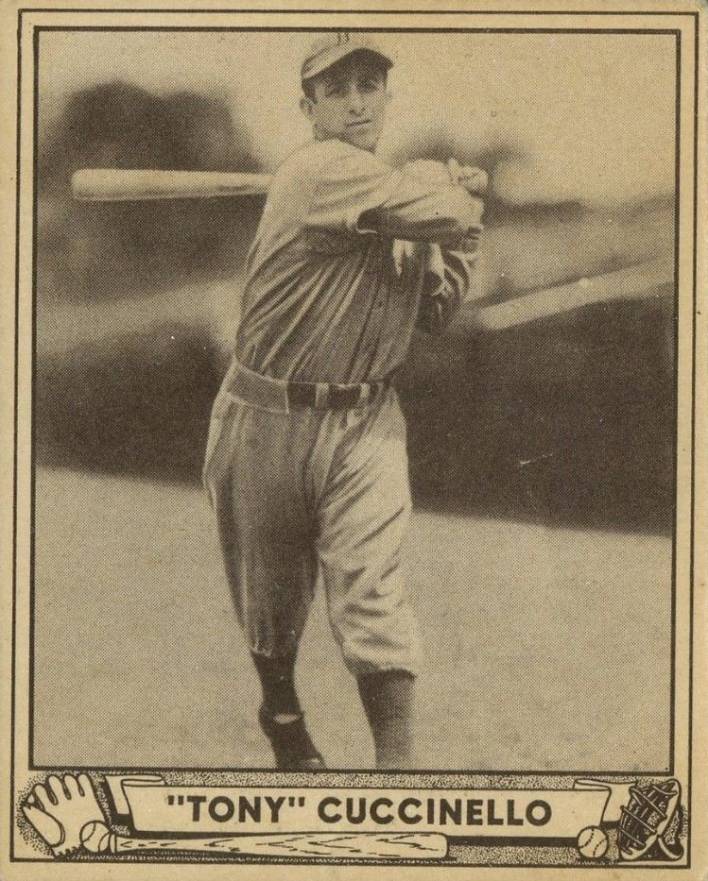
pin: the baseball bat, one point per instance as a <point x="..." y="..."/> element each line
<point x="97" y="838"/>
<point x="126" y="185"/>
<point x="644" y="281"/>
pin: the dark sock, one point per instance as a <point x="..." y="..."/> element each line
<point x="277" y="676"/>
<point x="387" y="697"/>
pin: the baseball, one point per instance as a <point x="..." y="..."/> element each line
<point x="592" y="842"/>
<point x="95" y="837"/>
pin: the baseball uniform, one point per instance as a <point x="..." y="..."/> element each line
<point x="349" y="256"/>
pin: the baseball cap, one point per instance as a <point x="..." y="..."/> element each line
<point x="332" y="47"/>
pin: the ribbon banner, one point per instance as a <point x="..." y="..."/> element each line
<point x="152" y="806"/>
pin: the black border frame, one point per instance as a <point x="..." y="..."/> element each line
<point x="428" y="772"/>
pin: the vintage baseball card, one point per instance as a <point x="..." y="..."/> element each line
<point x="354" y="476"/>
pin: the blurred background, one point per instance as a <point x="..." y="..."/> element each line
<point x="543" y="434"/>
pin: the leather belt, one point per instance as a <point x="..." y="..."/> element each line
<point x="332" y="396"/>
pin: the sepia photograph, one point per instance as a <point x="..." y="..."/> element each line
<point x="355" y="382"/>
<point x="537" y="384"/>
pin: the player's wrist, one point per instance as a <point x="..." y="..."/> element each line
<point x="430" y="171"/>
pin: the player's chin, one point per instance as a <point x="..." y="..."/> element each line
<point x="364" y="137"/>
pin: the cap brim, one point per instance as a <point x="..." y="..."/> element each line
<point x="337" y="53"/>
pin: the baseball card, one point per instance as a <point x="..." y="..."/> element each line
<point x="354" y="384"/>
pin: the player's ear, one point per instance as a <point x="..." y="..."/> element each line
<point x="306" y="107"/>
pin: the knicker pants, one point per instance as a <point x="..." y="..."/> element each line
<point x="300" y="492"/>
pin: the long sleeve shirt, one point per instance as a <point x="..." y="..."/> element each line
<point x="350" y="255"/>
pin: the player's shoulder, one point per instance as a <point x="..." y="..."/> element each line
<point x="318" y="159"/>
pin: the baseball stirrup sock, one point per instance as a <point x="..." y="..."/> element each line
<point x="291" y="743"/>
<point x="388" y="703"/>
<point x="277" y="676"/>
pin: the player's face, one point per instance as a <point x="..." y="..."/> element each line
<point x="349" y="103"/>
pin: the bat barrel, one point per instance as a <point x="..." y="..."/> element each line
<point x="125" y="185"/>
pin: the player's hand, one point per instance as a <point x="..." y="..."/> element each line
<point x="474" y="180"/>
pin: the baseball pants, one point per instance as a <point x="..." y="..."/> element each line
<point x="301" y="492"/>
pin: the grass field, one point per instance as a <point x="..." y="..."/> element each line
<point x="546" y="648"/>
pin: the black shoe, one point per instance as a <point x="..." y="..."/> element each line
<point x="294" y="751"/>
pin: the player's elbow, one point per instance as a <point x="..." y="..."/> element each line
<point x="435" y="314"/>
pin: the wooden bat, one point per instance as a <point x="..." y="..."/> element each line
<point x="126" y="185"/>
<point x="648" y="280"/>
<point x="97" y="838"/>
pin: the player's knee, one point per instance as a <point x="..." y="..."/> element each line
<point x="371" y="643"/>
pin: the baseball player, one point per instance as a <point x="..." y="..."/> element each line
<point x="306" y="460"/>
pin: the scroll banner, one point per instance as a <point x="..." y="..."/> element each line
<point x="153" y="806"/>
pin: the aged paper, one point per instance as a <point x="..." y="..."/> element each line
<point x="355" y="491"/>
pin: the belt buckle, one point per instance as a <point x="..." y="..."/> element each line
<point x="340" y="396"/>
<point x="345" y="397"/>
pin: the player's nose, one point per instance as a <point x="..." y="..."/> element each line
<point x="356" y="101"/>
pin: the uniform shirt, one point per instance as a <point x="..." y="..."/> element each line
<point x="330" y="295"/>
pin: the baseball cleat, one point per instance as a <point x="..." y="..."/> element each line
<point x="291" y="743"/>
